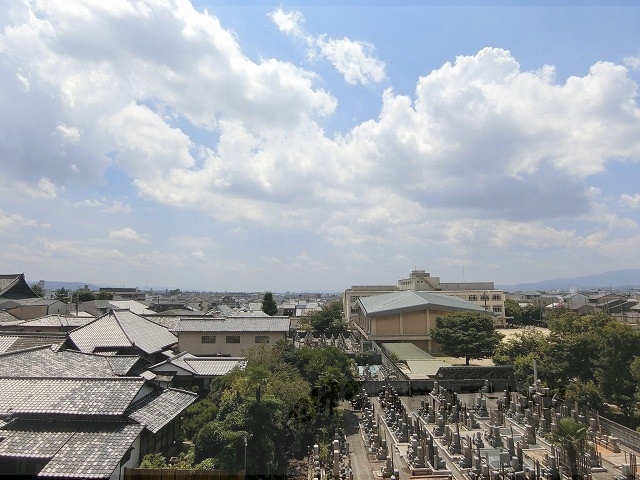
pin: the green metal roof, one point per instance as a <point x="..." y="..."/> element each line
<point x="406" y="351"/>
<point x="409" y="300"/>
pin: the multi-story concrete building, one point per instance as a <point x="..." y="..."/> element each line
<point x="483" y="294"/>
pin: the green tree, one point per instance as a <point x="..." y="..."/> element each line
<point x="519" y="351"/>
<point x="466" y="334"/>
<point x="83" y="296"/>
<point x="620" y="344"/>
<point x="104" y="295"/>
<point x="584" y="394"/>
<point x="513" y="309"/>
<point x="62" y="294"/>
<point x="572" y="438"/>
<point x="269" y="305"/>
<point x="153" y="460"/>
<point x="37" y="289"/>
<point x="326" y="321"/>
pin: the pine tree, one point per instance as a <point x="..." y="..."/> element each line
<point x="269" y="305"/>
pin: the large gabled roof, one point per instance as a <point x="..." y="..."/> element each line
<point x="68" y="396"/>
<point x="15" y="286"/>
<point x="409" y="300"/>
<point x="45" y="362"/>
<point x="70" y="448"/>
<point x="121" y="329"/>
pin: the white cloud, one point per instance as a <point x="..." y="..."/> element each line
<point x="290" y="23"/>
<point x="352" y="58"/>
<point x="633" y="62"/>
<point x="630" y="201"/>
<point x="127" y="234"/>
<point x="44" y="190"/>
<point x="196" y="243"/>
<point x="13" y="222"/>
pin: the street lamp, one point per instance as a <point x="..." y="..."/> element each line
<point x="246" y="440"/>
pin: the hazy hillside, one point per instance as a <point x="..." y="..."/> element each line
<point x="629" y="278"/>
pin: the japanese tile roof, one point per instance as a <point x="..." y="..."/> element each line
<point x="409" y="300"/>
<point x="122" y="364"/>
<point x="201" y="366"/>
<point x="158" y="409"/>
<point x="14" y="341"/>
<point x="15" y="286"/>
<point x="170" y="322"/>
<point x="37" y="301"/>
<point x="136" y="307"/>
<point x="7" y="317"/>
<point x="75" y="449"/>
<point x="55" y="320"/>
<point x="45" y="362"/>
<point x="68" y="396"/>
<point x="122" y="329"/>
<point x="235" y="324"/>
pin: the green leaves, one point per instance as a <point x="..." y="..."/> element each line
<point x="466" y="334"/>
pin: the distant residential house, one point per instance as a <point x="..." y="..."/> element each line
<point x="186" y="371"/>
<point x="30" y="308"/>
<point x="68" y="415"/>
<point x="406" y="316"/>
<point x="206" y="336"/>
<point x="575" y="300"/>
<point x="14" y="286"/>
<point x="122" y="332"/>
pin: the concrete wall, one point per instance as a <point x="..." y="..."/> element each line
<point x="192" y="342"/>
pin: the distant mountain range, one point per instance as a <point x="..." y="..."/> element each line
<point x="617" y="279"/>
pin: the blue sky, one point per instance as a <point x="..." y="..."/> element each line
<point x="275" y="146"/>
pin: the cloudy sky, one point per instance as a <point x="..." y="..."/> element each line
<point x="205" y="146"/>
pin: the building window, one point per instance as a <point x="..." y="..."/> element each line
<point x="208" y="339"/>
<point x="497" y="309"/>
<point x="473" y="298"/>
<point x="496" y="297"/>
<point x="262" y="338"/>
<point x="233" y="338"/>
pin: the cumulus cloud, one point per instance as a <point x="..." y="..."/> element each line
<point x="127" y="234"/>
<point x="354" y="59"/>
<point x="481" y="151"/>
<point x="631" y="201"/>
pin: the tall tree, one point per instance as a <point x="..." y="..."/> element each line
<point x="269" y="305"/>
<point x="37" y="289"/>
<point x="572" y="438"/>
<point x="466" y="334"/>
<point x="327" y="321"/>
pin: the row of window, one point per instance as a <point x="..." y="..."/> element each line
<point x="234" y="339"/>
<point x="496" y="297"/>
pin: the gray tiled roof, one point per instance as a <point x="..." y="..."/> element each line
<point x="57" y="321"/>
<point x="156" y="410"/>
<point x="170" y="322"/>
<point x="201" y="366"/>
<point x="68" y="396"/>
<point x="122" y="329"/>
<point x="122" y="364"/>
<point x="235" y="324"/>
<point x="34" y="444"/>
<point x="93" y="453"/>
<point x="409" y="300"/>
<point x="21" y="340"/>
<point x="6" y="317"/>
<point x="45" y="362"/>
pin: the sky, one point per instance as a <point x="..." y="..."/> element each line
<point x="254" y="146"/>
